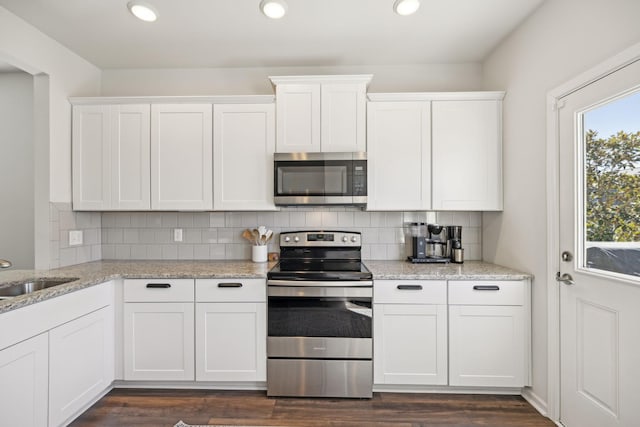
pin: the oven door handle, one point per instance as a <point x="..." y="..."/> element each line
<point x="318" y="292"/>
<point x="322" y="283"/>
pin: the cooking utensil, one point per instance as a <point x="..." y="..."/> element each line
<point x="249" y="236"/>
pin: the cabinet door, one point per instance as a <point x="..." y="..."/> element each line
<point x="131" y="162"/>
<point x="231" y="341"/>
<point x="298" y="118"/>
<point x="243" y="147"/>
<point x="159" y="341"/>
<point x="343" y="117"/>
<point x="91" y="142"/>
<point x="486" y="346"/>
<point x="23" y="383"/>
<point x="81" y="360"/>
<point x="399" y="156"/>
<point x="181" y="157"/>
<point x="410" y="344"/>
<point x="467" y="155"/>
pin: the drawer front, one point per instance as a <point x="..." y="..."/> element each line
<point x="231" y="290"/>
<point x="486" y="292"/>
<point x="158" y="290"/>
<point x="410" y="292"/>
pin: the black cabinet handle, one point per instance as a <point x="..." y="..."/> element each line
<point x="486" y="288"/>
<point x="230" y="285"/>
<point x="410" y="287"/>
<point x="158" y="285"/>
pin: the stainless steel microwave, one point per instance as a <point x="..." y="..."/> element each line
<point x="320" y="179"/>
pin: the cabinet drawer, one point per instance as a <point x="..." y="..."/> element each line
<point x="158" y="290"/>
<point x="486" y="292"/>
<point x="410" y="292"/>
<point x="231" y="290"/>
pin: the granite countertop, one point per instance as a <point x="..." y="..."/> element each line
<point x="93" y="273"/>
<point x="470" y="270"/>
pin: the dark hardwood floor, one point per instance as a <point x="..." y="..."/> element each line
<point x="157" y="408"/>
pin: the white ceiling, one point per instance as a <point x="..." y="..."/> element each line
<point x="233" y="33"/>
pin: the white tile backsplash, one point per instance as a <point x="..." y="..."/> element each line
<point x="217" y="235"/>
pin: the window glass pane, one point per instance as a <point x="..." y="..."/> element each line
<point x="611" y="141"/>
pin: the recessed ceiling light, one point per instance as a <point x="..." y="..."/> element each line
<point x="143" y="11"/>
<point x="274" y="9"/>
<point x="406" y="7"/>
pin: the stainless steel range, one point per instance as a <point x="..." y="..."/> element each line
<point x="319" y="317"/>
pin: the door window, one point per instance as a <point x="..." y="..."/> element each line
<point x="610" y="143"/>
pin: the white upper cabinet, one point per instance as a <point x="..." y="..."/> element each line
<point x="399" y="155"/>
<point x="298" y="118"/>
<point x="243" y="147"/>
<point x="181" y="157"/>
<point x="457" y="165"/>
<point x="343" y="117"/>
<point x="111" y="157"/>
<point x="321" y="113"/>
<point x="467" y="153"/>
<point x="91" y="160"/>
<point x="130" y="151"/>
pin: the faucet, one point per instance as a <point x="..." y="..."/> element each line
<point x="4" y="263"/>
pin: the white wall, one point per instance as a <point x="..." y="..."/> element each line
<point x="254" y="81"/>
<point x="59" y="74"/>
<point x="69" y="75"/>
<point x="560" y="40"/>
<point x="17" y="169"/>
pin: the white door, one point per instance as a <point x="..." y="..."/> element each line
<point x="81" y="363"/>
<point x="399" y="155"/>
<point x="231" y="343"/>
<point x="159" y="341"/>
<point x="131" y="162"/>
<point x="243" y="147"/>
<point x="467" y="155"/>
<point x="23" y="383"/>
<point x="298" y="118"/>
<point x="410" y="344"/>
<point x="91" y="144"/>
<point x="181" y="157"/>
<point x="598" y="194"/>
<point x="343" y="117"/>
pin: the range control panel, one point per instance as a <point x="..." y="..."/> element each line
<point x="320" y="238"/>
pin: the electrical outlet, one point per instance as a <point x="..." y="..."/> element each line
<point x="177" y="234"/>
<point x="75" y="237"/>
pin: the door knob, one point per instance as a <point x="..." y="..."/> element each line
<point x="565" y="278"/>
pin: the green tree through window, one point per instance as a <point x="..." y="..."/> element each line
<point x="613" y="187"/>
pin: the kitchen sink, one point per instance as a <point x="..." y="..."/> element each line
<point x="32" y="285"/>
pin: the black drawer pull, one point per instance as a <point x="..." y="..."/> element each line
<point x="230" y="285"/>
<point x="410" y="287"/>
<point x="486" y="288"/>
<point x="158" y="285"/>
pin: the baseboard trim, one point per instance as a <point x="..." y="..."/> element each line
<point x="385" y="388"/>
<point x="535" y="401"/>
<point x="191" y="385"/>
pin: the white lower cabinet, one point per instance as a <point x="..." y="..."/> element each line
<point x="488" y="334"/>
<point x="81" y="363"/>
<point x="231" y="330"/>
<point x="23" y="383"/>
<point x="159" y="330"/>
<point x="410" y="332"/>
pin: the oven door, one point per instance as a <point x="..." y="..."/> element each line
<point x="319" y="322"/>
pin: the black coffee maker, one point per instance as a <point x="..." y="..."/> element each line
<point x="429" y="243"/>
